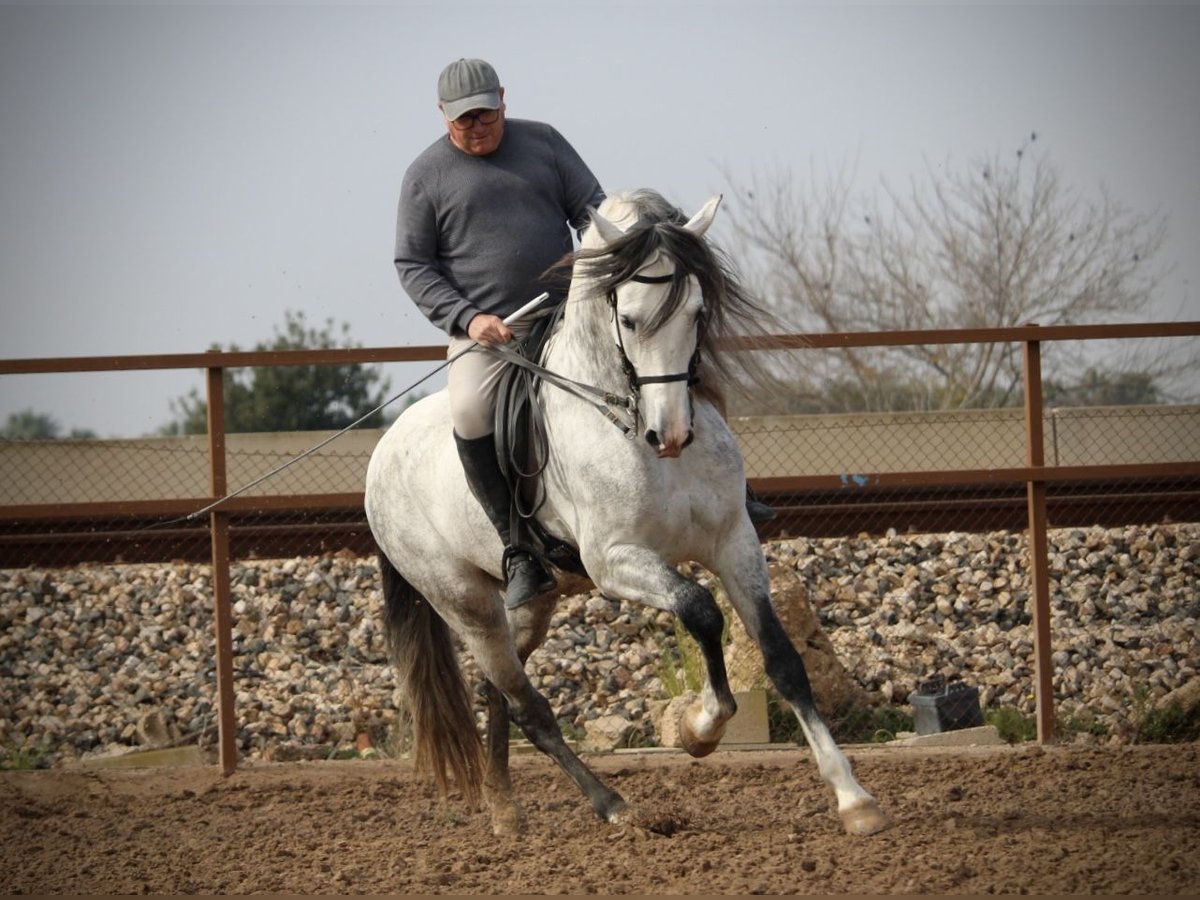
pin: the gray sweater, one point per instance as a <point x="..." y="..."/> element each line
<point x="474" y="233"/>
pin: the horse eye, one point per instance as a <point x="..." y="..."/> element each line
<point x="627" y="323"/>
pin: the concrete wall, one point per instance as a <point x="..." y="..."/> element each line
<point x="175" y="467"/>
<point x="164" y="468"/>
<point x="966" y="439"/>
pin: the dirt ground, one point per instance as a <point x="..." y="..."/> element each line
<point x="982" y="820"/>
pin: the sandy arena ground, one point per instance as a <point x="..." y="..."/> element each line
<point x="979" y="820"/>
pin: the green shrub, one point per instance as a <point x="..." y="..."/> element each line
<point x="1011" y="724"/>
<point x="568" y="728"/>
<point x="637" y="739"/>
<point x="1170" y="725"/>
<point x="681" y="668"/>
<point x="1082" y="722"/>
<point x="782" y="726"/>
<point x="12" y="758"/>
<point x="873" y="725"/>
<point x="870" y="724"/>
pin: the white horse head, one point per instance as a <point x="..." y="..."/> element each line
<point x="649" y="262"/>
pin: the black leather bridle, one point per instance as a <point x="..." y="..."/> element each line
<point x="635" y="380"/>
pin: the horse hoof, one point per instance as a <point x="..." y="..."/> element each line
<point x="508" y="822"/>
<point x="696" y="747"/>
<point x="508" y="819"/>
<point x="864" y="819"/>
<point x="693" y="744"/>
<point x="619" y="814"/>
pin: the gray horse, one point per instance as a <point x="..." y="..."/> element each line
<point x="649" y="299"/>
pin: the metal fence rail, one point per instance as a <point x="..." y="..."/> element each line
<point x="1022" y="469"/>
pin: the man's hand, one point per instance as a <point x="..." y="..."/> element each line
<point x="488" y="329"/>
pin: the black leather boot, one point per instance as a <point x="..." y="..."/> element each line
<point x="524" y="575"/>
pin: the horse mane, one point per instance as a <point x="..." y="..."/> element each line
<point x="730" y="312"/>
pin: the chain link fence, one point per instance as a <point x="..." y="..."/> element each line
<point x="909" y="530"/>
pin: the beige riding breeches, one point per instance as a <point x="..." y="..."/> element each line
<point x="471" y="384"/>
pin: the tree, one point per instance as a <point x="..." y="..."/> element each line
<point x="291" y="398"/>
<point x="1002" y="242"/>
<point x="1100" y="388"/>
<point x="30" y="426"/>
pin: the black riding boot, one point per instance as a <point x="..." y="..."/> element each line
<point x="759" y="511"/>
<point x="524" y="575"/>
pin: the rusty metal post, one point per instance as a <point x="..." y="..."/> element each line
<point x="222" y="607"/>
<point x="1039" y="569"/>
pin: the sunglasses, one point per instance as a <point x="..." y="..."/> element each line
<point x="468" y="120"/>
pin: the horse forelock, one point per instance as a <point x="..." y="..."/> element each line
<point x="628" y="208"/>
<point x="659" y="234"/>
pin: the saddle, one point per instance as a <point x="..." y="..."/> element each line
<point x="521" y="447"/>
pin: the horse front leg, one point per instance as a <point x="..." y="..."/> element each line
<point x="859" y="811"/>
<point x="747" y="583"/>
<point x="702" y="724"/>
<point x="639" y="574"/>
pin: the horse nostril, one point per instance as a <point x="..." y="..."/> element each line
<point x="691" y="437"/>
<point x="652" y="438"/>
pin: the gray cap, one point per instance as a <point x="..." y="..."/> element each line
<point x="468" y="84"/>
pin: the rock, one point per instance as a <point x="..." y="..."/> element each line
<point x="606" y="733"/>
<point x="86" y="653"/>
<point x="667" y="725"/>
<point x="152" y="731"/>
<point x="832" y="686"/>
<point x="1186" y="697"/>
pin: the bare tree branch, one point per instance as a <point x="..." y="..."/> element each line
<point x="999" y="242"/>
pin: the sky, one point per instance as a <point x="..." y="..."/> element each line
<point x="176" y="177"/>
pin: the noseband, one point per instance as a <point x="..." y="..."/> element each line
<point x="635" y="380"/>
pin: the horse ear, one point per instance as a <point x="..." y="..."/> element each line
<point x="607" y="230"/>
<point x="698" y="224"/>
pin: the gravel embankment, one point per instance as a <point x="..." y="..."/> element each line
<point x="87" y="654"/>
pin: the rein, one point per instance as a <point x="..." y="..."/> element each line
<point x="620" y="411"/>
<point x="612" y="406"/>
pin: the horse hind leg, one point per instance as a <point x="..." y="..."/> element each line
<point x="494" y="652"/>
<point x="533" y="714"/>
<point x="507" y="816"/>
<point x="529" y="624"/>
<point x="436" y="695"/>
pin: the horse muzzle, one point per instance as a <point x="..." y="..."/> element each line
<point x="669" y="449"/>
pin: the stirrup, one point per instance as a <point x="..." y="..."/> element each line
<point x="524" y="577"/>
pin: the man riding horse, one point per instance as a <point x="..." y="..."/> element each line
<point x="484" y="212"/>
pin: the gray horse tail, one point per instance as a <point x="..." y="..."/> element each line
<point x="421" y="648"/>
